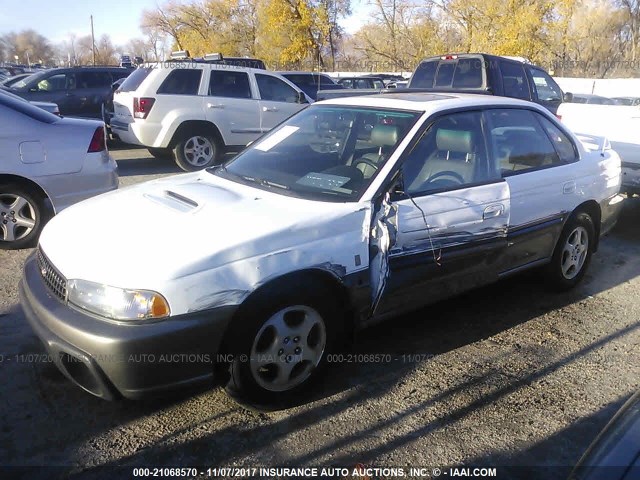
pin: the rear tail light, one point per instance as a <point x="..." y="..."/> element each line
<point x="97" y="141"/>
<point x="559" y="117"/>
<point x="449" y="57"/>
<point x="142" y="107"/>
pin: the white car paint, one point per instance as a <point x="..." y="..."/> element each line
<point x="203" y="241"/>
<point x="619" y="123"/>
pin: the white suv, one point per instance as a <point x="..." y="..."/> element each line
<point x="197" y="111"/>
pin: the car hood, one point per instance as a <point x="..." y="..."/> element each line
<point x="177" y="226"/>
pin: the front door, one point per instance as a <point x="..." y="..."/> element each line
<point x="447" y="228"/>
<point x="278" y="101"/>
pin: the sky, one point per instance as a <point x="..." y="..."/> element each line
<point x="119" y="18"/>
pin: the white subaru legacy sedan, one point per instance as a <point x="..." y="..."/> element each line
<point x="351" y="211"/>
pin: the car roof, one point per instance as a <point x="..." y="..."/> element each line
<point x="213" y="66"/>
<point x="428" y="102"/>
<point x="294" y="72"/>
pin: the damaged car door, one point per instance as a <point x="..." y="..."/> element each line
<point x="441" y="230"/>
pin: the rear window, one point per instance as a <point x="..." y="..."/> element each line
<point x="22" y="106"/>
<point x="462" y="73"/>
<point x="181" y="82"/>
<point x="134" y="80"/>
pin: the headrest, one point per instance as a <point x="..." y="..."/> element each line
<point x="454" y="140"/>
<point x="384" y="135"/>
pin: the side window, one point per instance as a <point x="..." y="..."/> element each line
<point x="183" y="81"/>
<point x="272" y="88"/>
<point x="514" y="80"/>
<point x="546" y="89"/>
<point x="450" y="154"/>
<point x="346" y="83"/>
<point x="93" y="80"/>
<point x="363" y="83"/>
<point x="519" y="142"/>
<point x="226" y="83"/>
<point x="564" y="146"/>
<point x="378" y="84"/>
<point x="54" y="83"/>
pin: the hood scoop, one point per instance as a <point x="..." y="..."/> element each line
<point x="189" y="197"/>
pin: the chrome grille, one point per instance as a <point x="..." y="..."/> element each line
<point x="52" y="278"/>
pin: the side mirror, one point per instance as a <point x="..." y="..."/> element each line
<point x="567" y="97"/>
<point x="396" y="192"/>
<point x="302" y="98"/>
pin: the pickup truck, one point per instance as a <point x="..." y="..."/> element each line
<point x="476" y="73"/>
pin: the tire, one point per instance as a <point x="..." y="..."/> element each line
<point x="281" y="342"/>
<point x="196" y="151"/>
<point x="572" y="254"/>
<point x="22" y="216"/>
<point x="161" y="153"/>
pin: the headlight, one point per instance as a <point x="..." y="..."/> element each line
<point x="117" y="303"/>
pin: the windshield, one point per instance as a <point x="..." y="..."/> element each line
<point x="327" y="153"/>
<point x="20" y="84"/>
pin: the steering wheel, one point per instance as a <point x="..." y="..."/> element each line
<point x="447" y="173"/>
<point x="366" y="161"/>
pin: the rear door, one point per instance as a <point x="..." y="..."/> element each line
<point x="278" y="101"/>
<point x="451" y="218"/>
<point x="535" y="158"/>
<point x="232" y="106"/>
<point x="92" y="87"/>
<point x="514" y="80"/>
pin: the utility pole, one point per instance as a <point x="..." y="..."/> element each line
<point x="93" y="42"/>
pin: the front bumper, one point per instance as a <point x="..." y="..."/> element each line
<point x="110" y="359"/>
<point x="631" y="178"/>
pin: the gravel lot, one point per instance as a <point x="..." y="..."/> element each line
<point x="506" y="376"/>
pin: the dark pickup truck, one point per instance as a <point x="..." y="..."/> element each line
<point x="475" y="73"/>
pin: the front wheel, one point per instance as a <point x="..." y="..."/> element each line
<point x="573" y="252"/>
<point x="196" y="152"/>
<point x="281" y="344"/>
<point x="22" y="216"/>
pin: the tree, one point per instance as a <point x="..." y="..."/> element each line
<point x="29" y="46"/>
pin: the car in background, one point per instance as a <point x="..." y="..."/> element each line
<point x="311" y="82"/>
<point x="47" y="106"/>
<point x="398" y="84"/>
<point x="589" y="99"/>
<point x="14" y="79"/>
<point x="627" y="101"/>
<point x="349" y="212"/>
<point x="615" y="452"/>
<point x="489" y="75"/>
<point x="46" y="160"/>
<point x="195" y="112"/>
<point x="78" y="91"/>
<point x="364" y="81"/>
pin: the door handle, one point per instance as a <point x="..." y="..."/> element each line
<point x="493" y="211"/>
<point x="569" y="187"/>
<point x="269" y="109"/>
<point x="215" y="105"/>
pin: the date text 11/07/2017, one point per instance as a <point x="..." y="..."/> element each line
<point x="359" y="471"/>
